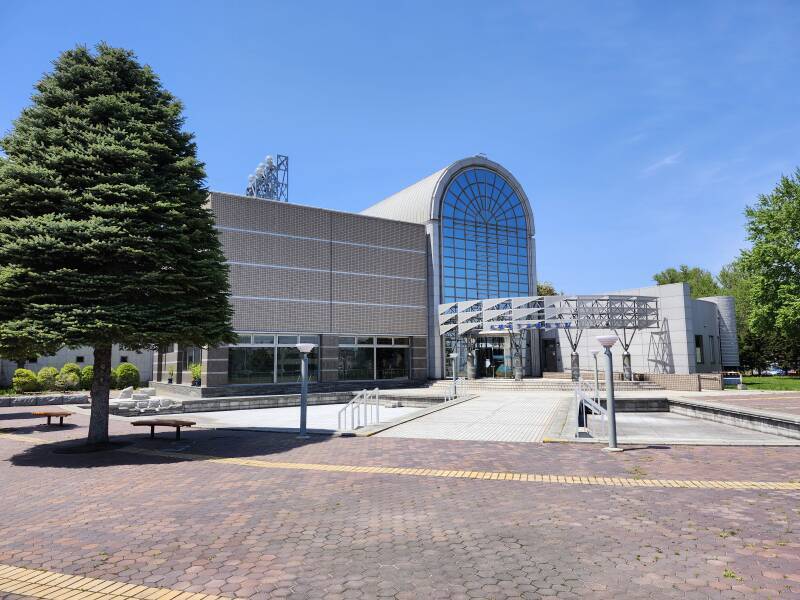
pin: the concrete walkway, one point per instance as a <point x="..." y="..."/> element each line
<point x="499" y="417"/>
<point x="670" y="428"/>
<point x="321" y="418"/>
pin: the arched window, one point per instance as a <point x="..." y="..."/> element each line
<point x="484" y="238"/>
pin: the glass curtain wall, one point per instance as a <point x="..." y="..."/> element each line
<point x="271" y="358"/>
<point x="370" y="357"/>
<point x="484" y="238"/>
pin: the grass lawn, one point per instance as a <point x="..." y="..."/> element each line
<point x="773" y="383"/>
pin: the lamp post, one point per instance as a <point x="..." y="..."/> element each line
<point x="304" y="349"/>
<point x="607" y="341"/>
<point x="454" y="356"/>
<point x="596" y="382"/>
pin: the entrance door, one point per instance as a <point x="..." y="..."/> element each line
<point x="485" y="365"/>
<point x="491" y="357"/>
<point x="550" y="356"/>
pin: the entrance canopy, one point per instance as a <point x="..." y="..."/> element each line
<point x="548" y="312"/>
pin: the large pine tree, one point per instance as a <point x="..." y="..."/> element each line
<point x="104" y="233"/>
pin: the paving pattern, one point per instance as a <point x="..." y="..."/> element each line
<point x="214" y="524"/>
<point x="498" y="416"/>
<point x="637" y="428"/>
<point x="788" y="403"/>
<point x="34" y="583"/>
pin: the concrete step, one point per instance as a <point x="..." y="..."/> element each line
<point x="537" y="385"/>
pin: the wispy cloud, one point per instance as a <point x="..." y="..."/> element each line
<point x="664" y="162"/>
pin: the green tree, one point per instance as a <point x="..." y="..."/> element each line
<point x="773" y="261"/>
<point x="545" y="288"/>
<point x="104" y="233"/>
<point x="22" y="341"/>
<point x="755" y="350"/>
<point x="701" y="282"/>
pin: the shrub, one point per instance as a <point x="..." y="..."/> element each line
<point x="47" y="378"/>
<point x="71" y="368"/>
<point x="113" y="380"/>
<point x="87" y="373"/>
<point x="197" y="371"/>
<point x="127" y="375"/>
<point x="68" y="381"/>
<point x="24" y="380"/>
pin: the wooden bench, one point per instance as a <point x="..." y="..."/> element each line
<point x="50" y="413"/>
<point x="153" y="423"/>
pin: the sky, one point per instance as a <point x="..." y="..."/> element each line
<point x="640" y="131"/>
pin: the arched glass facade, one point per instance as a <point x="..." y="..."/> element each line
<point x="484" y="238"/>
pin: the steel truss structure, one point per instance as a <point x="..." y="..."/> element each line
<point x="270" y="180"/>
<point x="573" y="313"/>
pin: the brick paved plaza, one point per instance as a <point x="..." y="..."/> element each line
<point x="257" y="515"/>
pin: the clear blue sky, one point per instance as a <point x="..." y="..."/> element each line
<point x="646" y="126"/>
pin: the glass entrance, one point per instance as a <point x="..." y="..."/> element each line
<point x="493" y="355"/>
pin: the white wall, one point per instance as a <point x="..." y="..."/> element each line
<point x="668" y="349"/>
<point x="143" y="361"/>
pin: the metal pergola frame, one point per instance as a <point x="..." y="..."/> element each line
<point x="626" y="313"/>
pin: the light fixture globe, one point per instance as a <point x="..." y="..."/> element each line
<point x="606" y="341"/>
<point x="306" y="348"/>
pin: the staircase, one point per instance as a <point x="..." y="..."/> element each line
<point x="536" y="385"/>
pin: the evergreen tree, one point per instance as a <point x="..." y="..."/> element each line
<point x="104" y="233"/>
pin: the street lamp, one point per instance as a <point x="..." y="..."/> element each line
<point x="596" y="384"/>
<point x="607" y="341"/>
<point x="454" y="356"/>
<point x="304" y="349"/>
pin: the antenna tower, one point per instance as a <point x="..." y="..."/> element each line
<point x="270" y="179"/>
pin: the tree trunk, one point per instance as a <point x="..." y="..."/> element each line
<point x="21" y="364"/>
<point x="101" y="384"/>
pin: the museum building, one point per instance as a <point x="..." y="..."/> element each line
<point x="367" y="288"/>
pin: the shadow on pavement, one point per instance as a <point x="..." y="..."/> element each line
<point x="8" y="416"/>
<point x="648" y="447"/>
<point x="39" y="428"/>
<point x="64" y="454"/>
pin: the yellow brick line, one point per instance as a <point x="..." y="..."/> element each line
<point x="28" y="439"/>
<point x="601" y="480"/>
<point x="608" y="481"/>
<point x="36" y="583"/>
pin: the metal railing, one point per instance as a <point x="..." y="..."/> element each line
<point x="589" y="403"/>
<point x="364" y="410"/>
<point x="452" y="391"/>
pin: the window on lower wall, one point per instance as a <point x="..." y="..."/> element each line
<point x="698" y="349"/>
<point x="392" y="363"/>
<point x="251" y="365"/>
<point x="271" y="358"/>
<point x="191" y="355"/>
<point x="356" y="363"/>
<point x="289" y="360"/>
<point x="370" y="357"/>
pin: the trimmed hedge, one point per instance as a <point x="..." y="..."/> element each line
<point x="127" y="375"/>
<point x="68" y="381"/>
<point x="47" y="378"/>
<point x="87" y="374"/>
<point x="71" y="368"/>
<point x="24" y="380"/>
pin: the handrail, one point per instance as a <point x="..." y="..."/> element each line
<point x="366" y="405"/>
<point x="586" y="397"/>
<point x="452" y="390"/>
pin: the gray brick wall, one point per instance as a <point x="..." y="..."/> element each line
<point x="302" y="269"/>
<point x="305" y="269"/>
